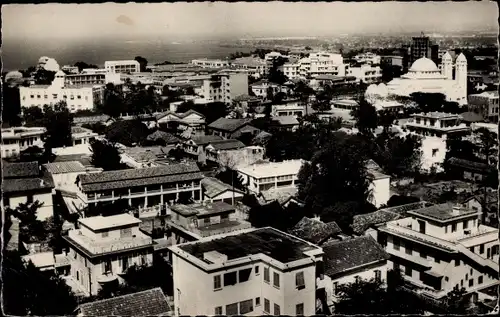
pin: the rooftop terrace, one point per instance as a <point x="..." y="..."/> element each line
<point x="442" y="212"/>
<point x="269" y="241"/>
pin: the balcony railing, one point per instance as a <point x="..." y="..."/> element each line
<point x="420" y="236"/>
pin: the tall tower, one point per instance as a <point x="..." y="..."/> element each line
<point x="447" y="66"/>
<point x="461" y="74"/>
<point x="59" y="79"/>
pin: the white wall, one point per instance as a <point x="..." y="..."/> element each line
<point x="429" y="158"/>
<point x="380" y="191"/>
<point x="43" y="212"/>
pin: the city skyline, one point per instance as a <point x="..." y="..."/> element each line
<point x="212" y="20"/>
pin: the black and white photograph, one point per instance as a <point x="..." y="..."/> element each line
<point x="250" y="158"/>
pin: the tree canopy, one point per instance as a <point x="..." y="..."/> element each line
<point x="143" y="63"/>
<point x="127" y="132"/>
<point x="366" y="116"/>
<point x="106" y="156"/>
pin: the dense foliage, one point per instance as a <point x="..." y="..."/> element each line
<point x="105" y="155"/>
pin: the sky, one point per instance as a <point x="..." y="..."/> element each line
<point x="73" y="21"/>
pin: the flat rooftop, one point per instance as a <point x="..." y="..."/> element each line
<point x="442" y="212"/>
<point x="109" y="222"/>
<point x="270" y="169"/>
<point x="437" y="115"/>
<point x="202" y="209"/>
<point x="274" y="243"/>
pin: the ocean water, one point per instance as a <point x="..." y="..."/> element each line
<point x="18" y="54"/>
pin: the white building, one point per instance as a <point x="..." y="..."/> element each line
<point x="434" y="127"/>
<point x="210" y="63"/>
<point x="261" y="88"/>
<point x="424" y="76"/>
<point x="322" y="63"/>
<point x="366" y="73"/>
<point x="288" y="108"/>
<point x="105" y="247"/>
<point x="224" y="87"/>
<point x="440" y="247"/>
<point x="368" y="58"/>
<point x="254" y="272"/>
<point x="291" y="70"/>
<point x="80" y="97"/>
<point x="92" y="79"/>
<point x="124" y="67"/>
<point x="267" y="175"/>
<point x="65" y="174"/>
<point x="70" y="69"/>
<point x="486" y="104"/>
<point x="15" y="140"/>
<point x="380" y="184"/>
<point x="81" y="138"/>
<point x="255" y="66"/>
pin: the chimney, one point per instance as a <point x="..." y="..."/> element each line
<point x="456" y="210"/>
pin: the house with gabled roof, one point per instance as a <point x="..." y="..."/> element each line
<point x="214" y="190"/>
<point x="150" y="302"/>
<point x="231" y="128"/>
<point x="316" y="231"/>
<point x="469" y="170"/>
<point x="190" y="119"/>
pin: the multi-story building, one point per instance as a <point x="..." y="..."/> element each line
<point x="440" y="247"/>
<point x="70" y="69"/>
<point x="104" y="247"/>
<point x="210" y="63"/>
<point x="80" y="97"/>
<point x="26" y="183"/>
<point x="123" y="67"/>
<point x="291" y="70"/>
<point x="291" y="107"/>
<point x="224" y="86"/>
<point x="142" y="187"/>
<point x="15" y="140"/>
<point x="255" y="66"/>
<point x="422" y="46"/>
<point x="367" y="74"/>
<point x="486" y="104"/>
<point x="92" y="79"/>
<point x="254" y="272"/>
<point x="264" y="176"/>
<point x="323" y="63"/>
<point x="368" y="58"/>
<point x="434" y="127"/>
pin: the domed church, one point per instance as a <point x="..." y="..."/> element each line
<point x="424" y="76"/>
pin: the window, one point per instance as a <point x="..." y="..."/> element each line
<point x="466" y="224"/>
<point x="244" y="275"/>
<point x="266" y="275"/>
<point x="276" y="280"/>
<point x="230" y="279"/>
<point x="78" y="97"/>
<point x="408" y="270"/>
<point x="218" y="311"/>
<point x="480" y="280"/>
<point x="32" y="96"/>
<point x="300" y="282"/>
<point x="257" y="270"/>
<point x="378" y="275"/>
<point x="232" y="309"/>
<point x="481" y="249"/>
<point x="488" y="251"/>
<point x="395" y="242"/>
<point x="246" y="306"/>
<point x="267" y="306"/>
<point x="408" y="249"/>
<point x="105" y="234"/>
<point x="299" y="309"/>
<point x="453" y="227"/>
<point x="457" y="262"/>
<point x="423" y="255"/>
<point x="217" y="282"/>
<point x="124" y="263"/>
<point x="257" y="301"/>
<point x="106" y="266"/>
<point x="357" y="278"/>
<point x="127" y="232"/>
<point x="471" y="282"/>
<point x="446" y="278"/>
<point x="471" y="271"/>
<point x="277" y="310"/>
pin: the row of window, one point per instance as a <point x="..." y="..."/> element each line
<point x="54" y="96"/>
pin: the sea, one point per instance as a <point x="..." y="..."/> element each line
<point x="19" y="54"/>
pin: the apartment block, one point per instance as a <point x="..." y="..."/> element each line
<point x="210" y="63"/>
<point x="366" y="73"/>
<point x="122" y="67"/>
<point x="255" y="272"/>
<point x="15" y="140"/>
<point x="440" y="247"/>
<point x="486" y="104"/>
<point x="224" y="86"/>
<point x="105" y="247"/>
<point x="267" y="175"/>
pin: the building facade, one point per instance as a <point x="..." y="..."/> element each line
<point x="92" y="79"/>
<point x="122" y="67"/>
<point x="486" y="104"/>
<point x="440" y="247"/>
<point x="245" y="274"/>
<point x="224" y="87"/>
<point x="105" y="247"/>
<point x="210" y="63"/>
<point x="15" y="140"/>
<point x="264" y="176"/>
<point x="366" y="73"/>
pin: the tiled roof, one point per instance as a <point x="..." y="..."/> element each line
<point x="146" y="303"/>
<point x="140" y="177"/>
<point x="64" y="167"/>
<point x="364" y="221"/>
<point x="213" y="187"/>
<point x="205" y="208"/>
<point x="167" y="137"/>
<point x="230" y="144"/>
<point x="281" y="195"/>
<point x="286" y="120"/>
<point x="315" y="231"/>
<point x="228" y="125"/>
<point x="348" y="254"/>
<point x="263" y="136"/>
<point x="14" y="185"/>
<point x="472" y="117"/>
<point x="179" y="115"/>
<point x="470" y="165"/>
<point x="205" y="139"/>
<point x="76" y="130"/>
<point x="18" y="170"/>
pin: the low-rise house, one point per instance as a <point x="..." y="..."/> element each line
<point x="105" y="247"/>
<point x="490" y="200"/>
<point x="291" y="107"/>
<point x="162" y="137"/>
<point x="469" y="170"/>
<point x="146" y="156"/>
<point x="380" y="184"/>
<point x="27" y="183"/>
<point x="231" y="128"/>
<point x="262" y="138"/>
<point x="150" y="302"/>
<point x="441" y="247"/>
<point x="316" y="231"/>
<point x="350" y="260"/>
<point x="289" y="123"/>
<point x="261" y="88"/>
<point x="284" y="196"/>
<point x="15" y="140"/>
<point x="263" y="176"/>
<point x="241" y="156"/>
<point x="190" y="119"/>
<point x="250" y="272"/>
<point x="82" y="138"/>
<point x="65" y="174"/>
<point x="199" y="220"/>
<point x="59" y="264"/>
<point x="247" y="103"/>
<point x="214" y="190"/>
<point x="486" y="104"/>
<point x="196" y="145"/>
<point x="214" y="149"/>
<point x="142" y="187"/>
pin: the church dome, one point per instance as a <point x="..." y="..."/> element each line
<point x="424" y="65"/>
